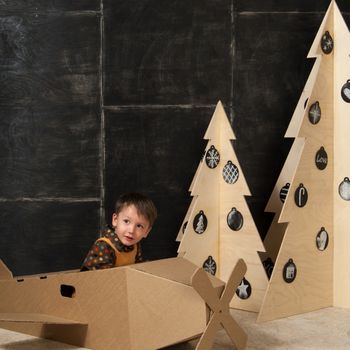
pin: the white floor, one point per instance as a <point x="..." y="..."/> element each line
<point x="324" y="329"/>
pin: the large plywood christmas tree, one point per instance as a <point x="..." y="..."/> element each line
<point x="311" y="269"/>
<point x="275" y="234"/>
<point x="220" y="229"/>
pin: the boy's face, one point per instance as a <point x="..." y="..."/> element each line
<point x="130" y="227"/>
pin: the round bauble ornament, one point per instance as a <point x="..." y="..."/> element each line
<point x="315" y="113"/>
<point x="327" y="43"/>
<point x="344" y="189"/>
<point x="345" y="91"/>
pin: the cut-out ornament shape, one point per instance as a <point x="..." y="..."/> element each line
<point x="321" y="159"/>
<point x="200" y="223"/>
<point x="315" y="113"/>
<point x="212" y="157"/>
<point x="284" y="191"/>
<point x="289" y="271"/>
<point x="301" y="196"/>
<point x="210" y="266"/>
<point x="344" y="189"/>
<point x="235" y="220"/>
<point x="322" y="239"/>
<point x="345" y="91"/>
<point x="230" y="173"/>
<point x="327" y="43"/>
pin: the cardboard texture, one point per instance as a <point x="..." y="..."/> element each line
<point x="311" y="269"/>
<point x="219" y="189"/>
<point x="145" y="306"/>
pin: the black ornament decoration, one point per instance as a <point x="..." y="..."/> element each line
<point x="230" y="173"/>
<point x="345" y="91"/>
<point x="321" y="159"/>
<point x="322" y="239"/>
<point x="200" y="222"/>
<point x="244" y="290"/>
<point x="289" y="271"/>
<point x="284" y="191"/>
<point x="184" y="226"/>
<point x="344" y="189"/>
<point x="300" y="196"/>
<point x="315" y="113"/>
<point x="327" y="43"/>
<point x="234" y="219"/>
<point x="209" y="265"/>
<point x="212" y="157"/>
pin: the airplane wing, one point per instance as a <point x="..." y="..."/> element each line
<point x="37" y="318"/>
<point x="5" y="273"/>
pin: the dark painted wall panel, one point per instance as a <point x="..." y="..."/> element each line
<point x="290" y="5"/>
<point x="48" y="5"/>
<point x="46" y="236"/>
<point x="49" y="152"/>
<point x="159" y="52"/>
<point x="272" y="68"/>
<point x="155" y="151"/>
<point x="50" y="156"/>
<point x="49" y="58"/>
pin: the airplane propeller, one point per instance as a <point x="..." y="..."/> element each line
<point x="220" y="307"/>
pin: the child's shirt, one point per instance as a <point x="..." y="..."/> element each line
<point x="108" y="251"/>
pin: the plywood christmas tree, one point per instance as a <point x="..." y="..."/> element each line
<point x="220" y="229"/>
<point x="276" y="231"/>
<point x="311" y="269"/>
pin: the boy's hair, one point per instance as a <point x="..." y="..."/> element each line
<point x="143" y="204"/>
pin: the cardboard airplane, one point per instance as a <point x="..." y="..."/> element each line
<point x="143" y="306"/>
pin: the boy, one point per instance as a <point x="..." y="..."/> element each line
<point x="119" y="245"/>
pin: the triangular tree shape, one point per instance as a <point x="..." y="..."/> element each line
<point x="220" y="229"/>
<point x="274" y="236"/>
<point x="311" y="269"/>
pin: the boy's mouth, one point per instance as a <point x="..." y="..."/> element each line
<point x="128" y="238"/>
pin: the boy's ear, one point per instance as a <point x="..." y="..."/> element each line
<point x="114" y="219"/>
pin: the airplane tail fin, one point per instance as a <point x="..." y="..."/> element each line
<point x="5" y="273"/>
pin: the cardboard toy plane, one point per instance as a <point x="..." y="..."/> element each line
<point x="143" y="306"/>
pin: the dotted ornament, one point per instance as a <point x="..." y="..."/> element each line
<point x="244" y="290"/>
<point x="230" y="173"/>
<point x="284" y="191"/>
<point x="345" y="91"/>
<point x="209" y="265"/>
<point x="321" y="159"/>
<point x="289" y="271"/>
<point x="344" y="189"/>
<point x="212" y="157"/>
<point x="322" y="239"/>
<point x="315" y="113"/>
<point x="234" y="220"/>
<point x="200" y="222"/>
<point x="300" y="196"/>
<point x="327" y="43"/>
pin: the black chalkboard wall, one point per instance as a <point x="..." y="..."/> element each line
<point x="100" y="97"/>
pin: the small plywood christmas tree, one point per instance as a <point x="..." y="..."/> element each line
<point x="311" y="269"/>
<point x="220" y="229"/>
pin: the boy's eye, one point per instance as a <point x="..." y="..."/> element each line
<point x="140" y="226"/>
<point x="126" y="221"/>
